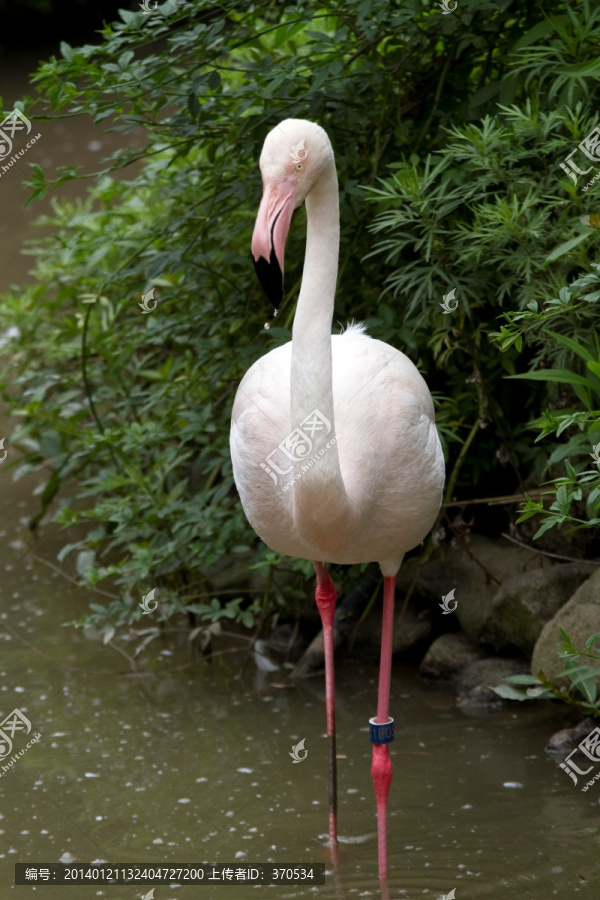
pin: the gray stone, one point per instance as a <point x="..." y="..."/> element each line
<point x="476" y="571"/>
<point x="410" y="629"/>
<point x="567" y="739"/>
<point x="313" y="658"/>
<point x="580" y="618"/>
<point x="448" y="656"/>
<point x="526" y="602"/>
<point x="475" y="682"/>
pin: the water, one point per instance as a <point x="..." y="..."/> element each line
<point x="64" y="142"/>
<point x="189" y="761"/>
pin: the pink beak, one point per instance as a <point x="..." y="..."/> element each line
<point x="270" y="233"/>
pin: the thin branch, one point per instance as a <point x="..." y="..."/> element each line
<point x="80" y="670"/>
<point x="73" y="580"/>
<point x="54" y="662"/>
<point x="495" y="501"/>
<point x="588" y="562"/>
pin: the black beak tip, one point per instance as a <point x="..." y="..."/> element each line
<point x="271" y="278"/>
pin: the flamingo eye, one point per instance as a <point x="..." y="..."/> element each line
<point x="298" y="167"/>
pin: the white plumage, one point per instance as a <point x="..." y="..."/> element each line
<point x="375" y="493"/>
<point x="335" y="452"/>
<point x="387" y="493"/>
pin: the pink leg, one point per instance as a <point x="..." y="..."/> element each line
<point x="381" y="767"/>
<point x="326" y="597"/>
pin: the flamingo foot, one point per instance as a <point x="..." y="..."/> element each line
<point x="381" y="772"/>
<point x="382" y="726"/>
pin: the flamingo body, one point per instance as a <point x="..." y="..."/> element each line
<point x="390" y="458"/>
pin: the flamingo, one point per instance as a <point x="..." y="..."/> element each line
<point x="335" y="452"/>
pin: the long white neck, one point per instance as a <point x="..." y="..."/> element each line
<point x="311" y="336"/>
<point x="311" y="399"/>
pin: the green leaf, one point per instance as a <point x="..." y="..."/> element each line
<point x="572" y="344"/>
<point x="127" y="16"/>
<point x="539" y="31"/>
<point x="564" y="248"/>
<point x="563" y="376"/>
<point x="193" y="105"/>
<point x="594" y="367"/>
<point x="548" y="523"/>
<point x="539" y="692"/>
<point x="523" y="679"/>
<point x="214" y="80"/>
<point x="85" y="561"/>
<point x="592" y="640"/>
<point x="510" y="693"/>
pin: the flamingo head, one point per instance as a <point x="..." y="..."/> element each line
<point x="293" y="157"/>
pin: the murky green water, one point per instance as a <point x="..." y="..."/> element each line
<point x="190" y="761"/>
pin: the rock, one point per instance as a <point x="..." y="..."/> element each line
<point x="525" y="602"/>
<point x="313" y="658"/>
<point x="567" y="739"/>
<point x="475" y="571"/>
<point x="352" y="605"/>
<point x="580" y="618"/>
<point x="261" y="658"/>
<point x="475" y="682"/>
<point x="347" y="613"/>
<point x="410" y="630"/>
<point x="288" y="638"/>
<point x="448" y="656"/>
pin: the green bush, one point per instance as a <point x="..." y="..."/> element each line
<point x="129" y="413"/>
<point x="574" y="311"/>
<point x="577" y="685"/>
<point x="481" y="217"/>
